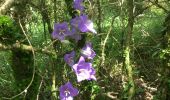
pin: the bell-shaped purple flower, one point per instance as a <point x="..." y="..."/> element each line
<point x="87" y="51"/>
<point x="75" y="22"/>
<point x="86" y="25"/>
<point x="60" y="31"/>
<point x="83" y="24"/>
<point x="69" y="58"/>
<point x="67" y="92"/>
<point x="77" y="5"/>
<point x="75" y="35"/>
<point x="84" y="70"/>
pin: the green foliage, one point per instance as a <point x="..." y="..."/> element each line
<point x="95" y="90"/>
<point x="164" y="53"/>
<point x="6" y="77"/>
<point x="9" y="32"/>
<point x="146" y="53"/>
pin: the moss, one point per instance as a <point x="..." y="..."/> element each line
<point x="9" y="32"/>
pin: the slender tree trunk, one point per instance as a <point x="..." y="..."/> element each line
<point x="164" y="86"/>
<point x="101" y="68"/>
<point x="56" y="71"/>
<point x="127" y="49"/>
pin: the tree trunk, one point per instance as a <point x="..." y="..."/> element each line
<point x="56" y="69"/>
<point x="127" y="49"/>
<point x="165" y="84"/>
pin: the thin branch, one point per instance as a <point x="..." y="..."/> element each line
<point x="39" y="88"/>
<point x="105" y="41"/>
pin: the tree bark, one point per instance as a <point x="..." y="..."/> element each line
<point x="56" y="74"/>
<point x="127" y="49"/>
<point x="164" y="86"/>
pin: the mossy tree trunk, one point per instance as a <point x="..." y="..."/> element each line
<point x="165" y="84"/>
<point x="127" y="50"/>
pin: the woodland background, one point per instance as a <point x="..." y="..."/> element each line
<point x="132" y="46"/>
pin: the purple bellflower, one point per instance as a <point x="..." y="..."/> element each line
<point x="83" y="24"/>
<point x="75" y="22"/>
<point x="77" y="5"/>
<point x="86" y="25"/>
<point x="87" y="51"/>
<point x="60" y="31"/>
<point x="67" y="92"/>
<point x="75" y="35"/>
<point x="84" y="70"/>
<point x="69" y="58"/>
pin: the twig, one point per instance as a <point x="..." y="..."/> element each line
<point x="104" y="42"/>
<point x="39" y="88"/>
